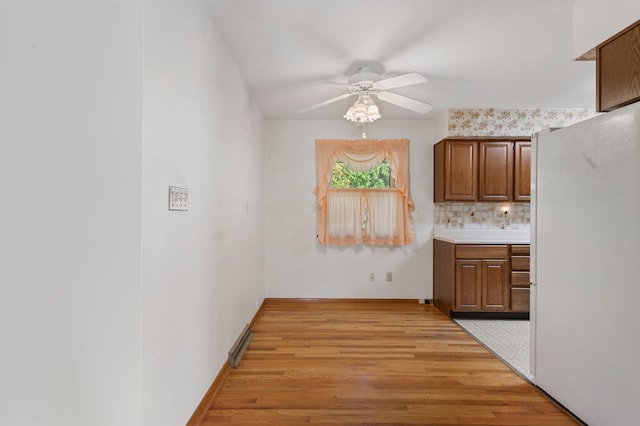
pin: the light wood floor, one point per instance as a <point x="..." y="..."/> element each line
<point x="372" y="362"/>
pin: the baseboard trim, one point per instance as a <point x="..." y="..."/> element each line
<point x="201" y="409"/>
<point x="339" y="300"/>
<point x="258" y="313"/>
<point x="203" y="406"/>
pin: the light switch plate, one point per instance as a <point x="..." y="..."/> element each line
<point x="178" y="198"/>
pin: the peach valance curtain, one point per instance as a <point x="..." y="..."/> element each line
<point x="384" y="212"/>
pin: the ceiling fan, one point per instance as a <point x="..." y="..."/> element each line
<point x="367" y="84"/>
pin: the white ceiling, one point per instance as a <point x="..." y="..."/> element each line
<point x="475" y="53"/>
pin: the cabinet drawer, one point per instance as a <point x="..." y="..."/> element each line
<point x="523" y="250"/>
<point x="520" y="263"/>
<point x="520" y="279"/>
<point x="520" y="299"/>
<point x="482" y="252"/>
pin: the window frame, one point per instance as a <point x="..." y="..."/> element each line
<point x="359" y="155"/>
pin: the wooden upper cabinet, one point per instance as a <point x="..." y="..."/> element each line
<point x="496" y="171"/>
<point x="618" y="70"/>
<point x="482" y="169"/>
<point x="461" y="170"/>
<point x="522" y="172"/>
<point x="456" y="171"/>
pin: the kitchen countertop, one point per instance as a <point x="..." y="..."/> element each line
<point x="483" y="236"/>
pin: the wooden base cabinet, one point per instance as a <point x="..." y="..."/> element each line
<point x="496" y="295"/>
<point x="468" y="284"/>
<point x="479" y="278"/>
<point x="482" y="285"/>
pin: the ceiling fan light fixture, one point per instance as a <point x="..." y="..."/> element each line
<point x="363" y="110"/>
<point x="365" y="84"/>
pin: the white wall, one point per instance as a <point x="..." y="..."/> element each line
<point x="114" y="311"/>
<point x="441" y="125"/>
<point x="70" y="229"/>
<point x="296" y="264"/>
<point x="594" y="21"/>
<point x="202" y="270"/>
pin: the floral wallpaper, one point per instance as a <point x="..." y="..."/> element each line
<point x="512" y="122"/>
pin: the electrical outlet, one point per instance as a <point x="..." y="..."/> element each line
<point x="178" y="198"/>
<point x="372" y="276"/>
<point x="389" y="277"/>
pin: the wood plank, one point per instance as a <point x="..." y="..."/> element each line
<point x="372" y="362"/>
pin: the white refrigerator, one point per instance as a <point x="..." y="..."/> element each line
<point x="585" y="267"/>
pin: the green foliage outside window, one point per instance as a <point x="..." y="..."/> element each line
<point x="343" y="177"/>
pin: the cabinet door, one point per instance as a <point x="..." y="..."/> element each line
<point x="461" y="171"/>
<point x="496" y="287"/>
<point x="522" y="184"/>
<point x="496" y="171"/>
<point x="618" y="70"/>
<point x="520" y="300"/>
<point x="468" y="284"/>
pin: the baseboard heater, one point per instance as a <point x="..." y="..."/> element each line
<point x="238" y="348"/>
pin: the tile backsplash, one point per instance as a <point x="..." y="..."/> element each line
<point x="482" y="215"/>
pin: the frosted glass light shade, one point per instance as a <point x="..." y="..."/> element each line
<point x="364" y="110"/>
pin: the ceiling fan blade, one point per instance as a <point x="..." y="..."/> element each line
<point x="401" y="80"/>
<point x="405" y="102"/>
<point x="327" y="102"/>
<point x="342" y="82"/>
<point x="335" y="82"/>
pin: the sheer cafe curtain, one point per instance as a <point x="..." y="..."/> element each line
<point x="370" y="216"/>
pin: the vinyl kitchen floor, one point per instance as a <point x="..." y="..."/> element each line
<point x="508" y="339"/>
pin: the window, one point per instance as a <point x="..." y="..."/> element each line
<point x="363" y="192"/>
<point x="344" y="177"/>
